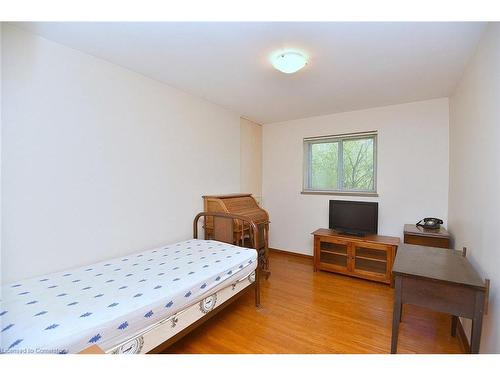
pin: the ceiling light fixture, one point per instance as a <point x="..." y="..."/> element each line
<point x="289" y="61"/>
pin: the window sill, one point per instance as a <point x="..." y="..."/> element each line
<point x="345" y="193"/>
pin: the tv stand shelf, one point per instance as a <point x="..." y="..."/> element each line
<point x="368" y="257"/>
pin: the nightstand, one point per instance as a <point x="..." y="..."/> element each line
<point x="426" y="237"/>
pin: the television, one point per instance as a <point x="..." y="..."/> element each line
<point x="358" y="218"/>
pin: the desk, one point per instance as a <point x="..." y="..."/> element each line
<point x="441" y="280"/>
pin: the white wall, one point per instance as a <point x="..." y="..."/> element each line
<point x="412" y="177"/>
<point x="99" y="161"/>
<point x="474" y="200"/>
<point x="251" y="158"/>
<point x="1" y="127"/>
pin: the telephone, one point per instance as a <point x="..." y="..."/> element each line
<point x="430" y="223"/>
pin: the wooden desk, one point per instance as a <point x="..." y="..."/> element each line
<point x="441" y="280"/>
<point x="244" y="205"/>
<point x="426" y="237"/>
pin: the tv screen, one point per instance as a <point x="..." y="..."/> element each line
<point x="354" y="217"/>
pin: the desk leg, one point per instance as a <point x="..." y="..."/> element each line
<point x="454" y="322"/>
<point x="396" y="315"/>
<point x="477" y="323"/>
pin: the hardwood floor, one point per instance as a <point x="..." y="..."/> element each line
<point x="307" y="312"/>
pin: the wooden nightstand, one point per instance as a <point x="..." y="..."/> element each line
<point x="426" y="237"/>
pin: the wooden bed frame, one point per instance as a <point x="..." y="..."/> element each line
<point x="223" y="232"/>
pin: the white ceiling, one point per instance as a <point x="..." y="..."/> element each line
<point x="352" y="65"/>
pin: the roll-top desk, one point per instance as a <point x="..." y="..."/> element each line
<point x="245" y="205"/>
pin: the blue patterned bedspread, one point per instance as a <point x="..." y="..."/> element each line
<point x="108" y="302"/>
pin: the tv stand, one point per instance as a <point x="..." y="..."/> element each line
<point x="369" y="257"/>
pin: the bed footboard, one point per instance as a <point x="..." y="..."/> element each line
<point x="223" y="225"/>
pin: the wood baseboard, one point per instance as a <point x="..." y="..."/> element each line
<point x="462" y="337"/>
<point x="290" y="253"/>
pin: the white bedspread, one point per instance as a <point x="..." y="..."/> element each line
<point x="110" y="301"/>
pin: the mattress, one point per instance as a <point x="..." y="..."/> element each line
<point x="108" y="302"/>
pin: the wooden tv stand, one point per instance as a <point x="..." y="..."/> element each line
<point x="369" y="257"/>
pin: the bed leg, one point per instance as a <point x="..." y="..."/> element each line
<point x="257" y="287"/>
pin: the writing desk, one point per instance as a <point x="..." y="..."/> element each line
<point x="441" y="280"/>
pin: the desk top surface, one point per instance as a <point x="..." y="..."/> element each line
<point x="436" y="264"/>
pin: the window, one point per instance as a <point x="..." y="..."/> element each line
<point x="341" y="164"/>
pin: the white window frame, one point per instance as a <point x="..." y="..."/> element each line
<point x="307" y="175"/>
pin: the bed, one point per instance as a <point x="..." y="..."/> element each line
<point x="137" y="303"/>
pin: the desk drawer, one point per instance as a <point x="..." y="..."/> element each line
<point x="453" y="299"/>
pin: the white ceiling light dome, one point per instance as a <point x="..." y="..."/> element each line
<point x="289" y="61"/>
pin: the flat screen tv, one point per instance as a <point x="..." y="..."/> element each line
<point x="358" y="218"/>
